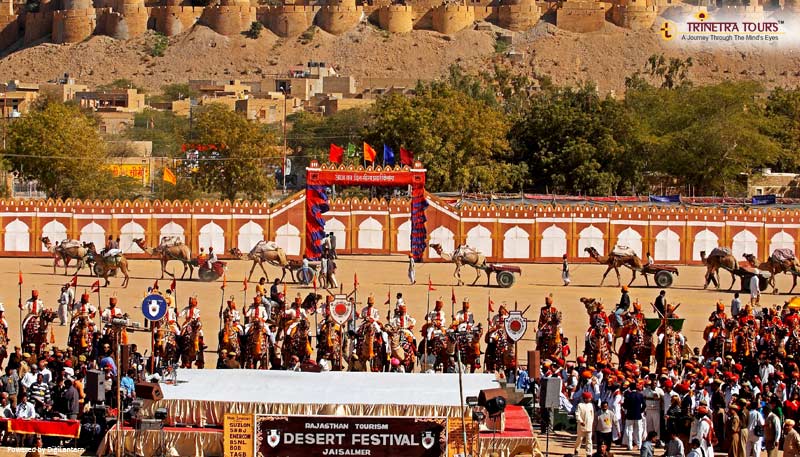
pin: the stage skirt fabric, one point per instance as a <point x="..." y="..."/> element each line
<point x="176" y="442"/>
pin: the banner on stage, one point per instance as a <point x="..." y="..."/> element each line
<point x="238" y="435"/>
<point x="279" y="436"/>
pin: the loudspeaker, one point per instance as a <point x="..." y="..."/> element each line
<point x="124" y="359"/>
<point x="534" y="365"/>
<point x="550" y="392"/>
<point x="487" y="394"/>
<point x="149" y="391"/>
<point x="95" y="387"/>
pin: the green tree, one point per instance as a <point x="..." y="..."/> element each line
<point x="60" y="147"/>
<point x="177" y="91"/>
<point x="311" y="135"/>
<point x="576" y="142"/>
<point x="783" y="114"/>
<point x="245" y="158"/>
<point x="461" y="140"/>
<point x="669" y="73"/>
<point x="705" y="136"/>
<point x="166" y="130"/>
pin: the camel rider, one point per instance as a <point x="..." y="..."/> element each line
<point x="112" y="248"/>
<point x="84" y="309"/>
<point x="718" y="314"/>
<point x="255" y="312"/>
<point x="275" y="294"/>
<point x="649" y="259"/>
<point x="212" y="258"/>
<point x="436" y="320"/>
<point x="746" y="316"/>
<point x="192" y="313"/>
<point x="294" y="315"/>
<point x="499" y="319"/>
<point x="3" y="323"/>
<point x="202" y="257"/>
<point x="325" y="309"/>
<point x="261" y="287"/>
<point x="637" y="313"/>
<point x="111" y="312"/>
<point x="172" y="321"/>
<point x="404" y="323"/>
<point x="399" y="302"/>
<point x="34" y="305"/>
<point x="671" y="314"/>
<point x="599" y="316"/>
<point x="371" y="315"/>
<point x="232" y="313"/>
<point x="623" y="306"/>
<point x="549" y="315"/>
<point x="464" y="316"/>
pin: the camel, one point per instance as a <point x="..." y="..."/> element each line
<point x="264" y="251"/>
<point x="108" y="264"/>
<point x="614" y="261"/>
<point x="722" y="258"/>
<point x="463" y="255"/>
<point x="74" y="250"/>
<point x="777" y="264"/>
<point x="169" y="249"/>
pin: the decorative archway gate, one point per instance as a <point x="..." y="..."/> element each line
<point x="318" y="177"/>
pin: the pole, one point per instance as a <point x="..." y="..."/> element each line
<point x="119" y="403"/>
<point x="516" y="351"/>
<point x="427" y="340"/>
<point x="152" y="348"/>
<point x="21" y="336"/>
<point x="461" y="396"/>
<point x="221" y="301"/>
<point x="283" y="169"/>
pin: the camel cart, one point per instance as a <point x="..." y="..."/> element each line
<point x="745" y="274"/>
<point x="663" y="274"/>
<point x="504" y="273"/>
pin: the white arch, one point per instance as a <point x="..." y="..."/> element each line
<point x="212" y="235"/>
<point x="337" y="227"/>
<point x="516" y="244"/>
<point x="127" y="233"/>
<point x="17" y="237"/>
<point x="781" y="240"/>
<point x="480" y="239"/>
<point x="288" y="237"/>
<point x="590" y="237"/>
<point x="172" y="229"/>
<point x="55" y="231"/>
<point x="94" y="233"/>
<point x="744" y="242"/>
<point x="370" y="234"/>
<point x="554" y="242"/>
<point x="443" y="236"/>
<point x="631" y="238"/>
<point x="668" y="246"/>
<point x="249" y="235"/>
<point x="404" y="237"/>
<point x="705" y="240"/>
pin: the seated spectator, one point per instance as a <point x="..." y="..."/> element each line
<point x="40" y="393"/>
<point x="6" y="410"/>
<point x="25" y="409"/>
<point x="9" y="383"/>
<point x="29" y="377"/>
<point x="71" y="400"/>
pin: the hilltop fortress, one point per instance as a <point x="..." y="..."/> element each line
<point x="70" y="21"/>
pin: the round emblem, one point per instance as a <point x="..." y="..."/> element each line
<point x="515" y="325"/>
<point x="340" y="308"/>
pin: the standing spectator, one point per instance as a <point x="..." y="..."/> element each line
<point x="29" y="377"/>
<point x="661" y="302"/>
<point x="705" y="431"/>
<point x="565" y="270"/>
<point x="755" y="292"/>
<point x="412" y="272"/>
<point x="584" y="415"/>
<point x="128" y="386"/>
<point x="64" y="304"/>
<point x="696" y="451"/>
<point x="634" y="406"/>
<point x="40" y="393"/>
<point x="674" y="447"/>
<point x="45" y="372"/>
<point x="15" y="359"/>
<point x="78" y="385"/>
<point x="332" y="245"/>
<point x="791" y="441"/>
<point x="10" y="385"/>
<point x="755" y="431"/>
<point x="648" y="448"/>
<point x="331" y="270"/>
<point x="71" y="400"/>
<point x="606" y="421"/>
<point x="523" y="379"/>
<point x="25" y="409"/>
<point x="653" y="397"/>
<point x="736" y="305"/>
<point x="733" y="432"/>
<point x="772" y="432"/>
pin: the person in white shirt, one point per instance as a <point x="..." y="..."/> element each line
<point x="371" y="315"/>
<point x="111" y="312"/>
<point x="464" y="315"/>
<point x="653" y="397"/>
<point x="754" y="443"/>
<point x="294" y="315"/>
<point x="255" y="313"/>
<point x="64" y="303"/>
<point x="404" y="323"/>
<point x="736" y="305"/>
<point x="584" y="416"/>
<point x="47" y="375"/>
<point x="674" y="447"/>
<point x="6" y="411"/>
<point x="83" y="309"/>
<point x="25" y="409"/>
<point x="212" y="258"/>
<point x="30" y="377"/>
<point x="33" y="305"/>
<point x="696" y="450"/>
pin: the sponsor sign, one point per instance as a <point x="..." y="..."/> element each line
<point x="138" y="172"/>
<point x="289" y="436"/>
<point x="516" y="325"/>
<point x="238" y="435"/>
<point x="731" y="27"/>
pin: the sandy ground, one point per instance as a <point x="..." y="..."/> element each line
<point x="380" y="275"/>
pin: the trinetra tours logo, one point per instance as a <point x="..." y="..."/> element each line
<point x="702" y="27"/>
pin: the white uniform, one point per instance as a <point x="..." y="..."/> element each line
<point x="33" y="306"/>
<point x="110" y="313"/>
<point x="404" y="322"/>
<point x="294" y="315"/>
<point x="172" y="319"/>
<point x="465" y="316"/>
<point x="83" y="309"/>
<point x="498" y="319"/>
<point x="653" y="398"/>
<point x="584" y="415"/>
<point x="437" y="316"/>
<point x="189" y="313"/>
<point x="371" y="313"/>
<point x="255" y="313"/>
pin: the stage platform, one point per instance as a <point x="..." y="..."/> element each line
<point x="202" y="397"/>
<point x="516" y="439"/>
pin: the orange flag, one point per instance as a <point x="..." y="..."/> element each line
<point x="20" y="278"/>
<point x="245" y="283"/>
<point x="224" y="282"/>
<point x="430" y="284"/>
<point x="170" y="177"/>
<point x="369" y="153"/>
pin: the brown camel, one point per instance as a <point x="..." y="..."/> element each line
<point x="74" y="250"/>
<point x="716" y="261"/>
<point x="463" y="255"/>
<point x="614" y="262"/>
<point x="169" y="249"/>
<point x="108" y="264"/>
<point x="775" y="264"/>
<point x="263" y="251"/>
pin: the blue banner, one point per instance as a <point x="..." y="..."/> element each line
<point x="665" y="198"/>
<point x="764" y="199"/>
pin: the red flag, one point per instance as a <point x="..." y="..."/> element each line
<point x="430" y="284"/>
<point x="173" y="285"/>
<point x="453" y="295"/>
<point x="336" y="153"/>
<point x="406" y="157"/>
<point x="369" y="153"/>
<point x="315" y="283"/>
<point x="224" y="282"/>
<point x="96" y="286"/>
<point x="74" y="281"/>
<point x="20" y="278"/>
<point x="355" y="280"/>
<point x="245" y="283"/>
<point x="491" y="302"/>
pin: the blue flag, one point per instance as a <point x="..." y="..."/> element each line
<point x="665" y="198"/>
<point x="388" y="155"/>
<point x="764" y="199"/>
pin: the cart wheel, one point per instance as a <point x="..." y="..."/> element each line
<point x="207" y="275"/>
<point x="664" y="279"/>
<point x="98" y="270"/>
<point x="305" y="276"/>
<point x="505" y="279"/>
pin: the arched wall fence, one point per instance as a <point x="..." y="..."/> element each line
<point x="513" y="233"/>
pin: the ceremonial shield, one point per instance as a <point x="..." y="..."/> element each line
<point x="154" y="307"/>
<point x="273" y="438"/>
<point x="428" y="440"/>
<point x="341" y="310"/>
<point x="516" y="325"/>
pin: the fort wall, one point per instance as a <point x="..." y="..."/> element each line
<point x="581" y="16"/>
<point x="396" y="18"/>
<point x="449" y="18"/>
<point x="339" y="19"/>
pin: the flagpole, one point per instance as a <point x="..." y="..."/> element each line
<point x="244" y="293"/>
<point x="452" y="302"/>
<point x="20" y="306"/>
<point x="74" y="294"/>
<point x="427" y="340"/>
<point x="221" y="301"/>
<point x="355" y="299"/>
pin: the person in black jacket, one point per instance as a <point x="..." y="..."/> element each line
<point x="661" y="302"/>
<point x="623" y="306"/>
<point x="634" y="406"/>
